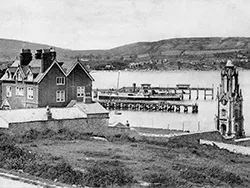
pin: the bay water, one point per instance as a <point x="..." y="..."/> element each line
<point x="207" y="108"/>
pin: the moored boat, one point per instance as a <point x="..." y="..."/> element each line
<point x="145" y="93"/>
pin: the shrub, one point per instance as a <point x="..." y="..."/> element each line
<point x="222" y="175"/>
<point x="194" y="176"/>
<point x="108" y="173"/>
<point x="164" y="179"/>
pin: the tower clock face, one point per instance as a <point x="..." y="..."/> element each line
<point x="224" y="102"/>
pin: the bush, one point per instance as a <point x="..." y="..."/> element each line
<point x="194" y="176"/>
<point x="108" y="173"/>
<point x="13" y="157"/>
<point x="222" y="175"/>
<point x="165" y="179"/>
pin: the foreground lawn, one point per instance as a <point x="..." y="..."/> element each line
<point x="164" y="165"/>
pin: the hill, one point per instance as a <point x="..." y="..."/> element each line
<point x="187" y="50"/>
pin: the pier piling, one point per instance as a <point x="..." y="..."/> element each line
<point x="152" y="106"/>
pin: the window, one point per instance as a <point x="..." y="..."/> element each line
<point x="8" y="91"/>
<point x="223" y="112"/>
<point x="30" y="93"/>
<point x="19" y="91"/>
<point x="60" y="80"/>
<point x="8" y="75"/>
<point x="60" y="96"/>
<point x="19" y="76"/>
<point x="80" y="91"/>
<point x="30" y="76"/>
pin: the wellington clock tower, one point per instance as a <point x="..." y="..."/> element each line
<point x="229" y="119"/>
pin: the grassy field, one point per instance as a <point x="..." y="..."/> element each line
<point x="170" y="165"/>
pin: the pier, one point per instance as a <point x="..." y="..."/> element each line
<point x="154" y="106"/>
<point x="181" y="89"/>
<point x="184" y="89"/>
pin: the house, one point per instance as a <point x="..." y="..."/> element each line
<point x="40" y="81"/>
<point x="79" y="117"/>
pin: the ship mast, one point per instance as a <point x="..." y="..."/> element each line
<point x="118" y="80"/>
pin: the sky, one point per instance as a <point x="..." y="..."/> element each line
<point x="105" y="24"/>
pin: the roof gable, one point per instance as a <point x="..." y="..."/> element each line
<point x="42" y="75"/>
<point x="83" y="68"/>
<point x="21" y="71"/>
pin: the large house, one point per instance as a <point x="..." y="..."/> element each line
<point x="40" y="81"/>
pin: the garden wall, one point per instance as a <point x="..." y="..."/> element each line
<point x="86" y="125"/>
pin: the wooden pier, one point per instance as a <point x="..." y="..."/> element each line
<point x="183" y="89"/>
<point x="154" y="106"/>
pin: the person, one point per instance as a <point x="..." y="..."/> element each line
<point x="127" y="123"/>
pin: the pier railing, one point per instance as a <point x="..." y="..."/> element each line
<point x="155" y="106"/>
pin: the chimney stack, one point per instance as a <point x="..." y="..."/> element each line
<point x="38" y="54"/>
<point x="25" y="57"/>
<point x="48" y="113"/>
<point x="47" y="56"/>
<point x="134" y="87"/>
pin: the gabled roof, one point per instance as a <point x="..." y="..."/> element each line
<point x="89" y="108"/>
<point x="19" y="68"/>
<point x="38" y="114"/>
<point x="77" y="62"/>
<point x="12" y="69"/>
<point x="35" y="70"/>
<point x="35" y="63"/>
<point x="35" y="66"/>
<point x="40" y="77"/>
<point x="16" y="63"/>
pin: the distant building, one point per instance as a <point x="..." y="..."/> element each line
<point x="41" y="81"/>
<point x="230" y="120"/>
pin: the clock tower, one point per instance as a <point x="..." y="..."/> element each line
<point x="229" y="117"/>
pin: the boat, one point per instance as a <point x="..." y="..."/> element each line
<point x="144" y="93"/>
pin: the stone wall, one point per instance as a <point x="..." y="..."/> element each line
<point x="90" y="125"/>
<point x="195" y="137"/>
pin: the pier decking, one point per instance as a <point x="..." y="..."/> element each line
<point x="154" y="106"/>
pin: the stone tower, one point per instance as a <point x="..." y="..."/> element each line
<point x="229" y="117"/>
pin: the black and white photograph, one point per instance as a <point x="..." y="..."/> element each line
<point x="124" y="93"/>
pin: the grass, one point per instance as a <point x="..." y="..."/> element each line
<point x="121" y="162"/>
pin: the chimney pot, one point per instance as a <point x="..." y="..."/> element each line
<point x="48" y="112"/>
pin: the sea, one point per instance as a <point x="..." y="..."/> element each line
<point x="204" y="120"/>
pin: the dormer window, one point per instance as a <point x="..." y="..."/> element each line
<point x="8" y="75"/>
<point x="60" y="80"/>
<point x="19" y="76"/>
<point x="30" y="76"/>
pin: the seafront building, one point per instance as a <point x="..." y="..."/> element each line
<point x="41" y="81"/>
<point x="42" y="93"/>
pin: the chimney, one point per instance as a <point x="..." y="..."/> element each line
<point x="134" y="87"/>
<point x="38" y="54"/>
<point x="25" y="57"/>
<point x="48" y="56"/>
<point x="48" y="113"/>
